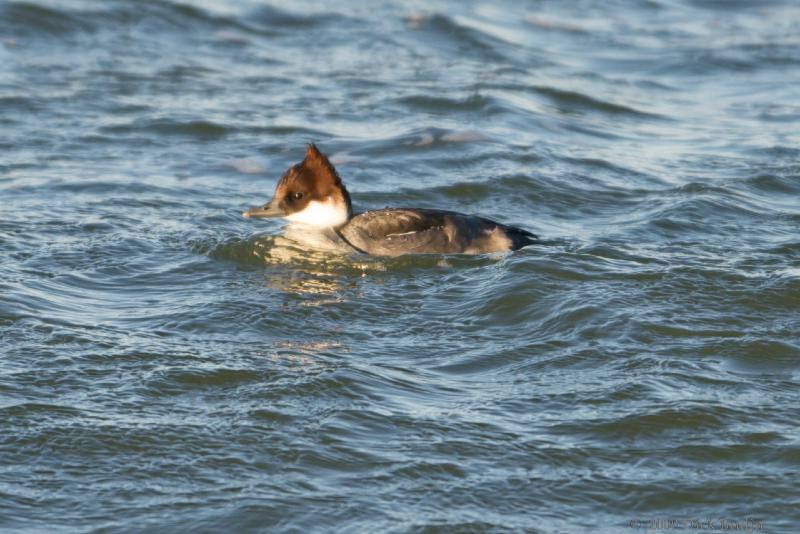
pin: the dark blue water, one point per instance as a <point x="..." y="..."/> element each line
<point x="166" y="365"/>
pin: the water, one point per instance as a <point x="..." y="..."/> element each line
<point x="165" y="366"/>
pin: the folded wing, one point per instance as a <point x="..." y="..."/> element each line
<point x="396" y="231"/>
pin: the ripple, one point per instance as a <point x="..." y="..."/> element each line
<point x="178" y="381"/>
<point x="200" y="129"/>
<point x="35" y="18"/>
<point x="280" y="19"/>
<point x="447" y="31"/>
<point x="775" y="183"/>
<point x="685" y="420"/>
<point x="572" y="100"/>
<point x="760" y="356"/>
<point x="39" y="410"/>
<point x="445" y="105"/>
<point x="20" y="103"/>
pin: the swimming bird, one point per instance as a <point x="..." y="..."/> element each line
<point x="312" y="194"/>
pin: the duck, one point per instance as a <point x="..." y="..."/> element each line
<point x="311" y="194"/>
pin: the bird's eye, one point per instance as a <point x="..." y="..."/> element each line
<point x="297" y="196"/>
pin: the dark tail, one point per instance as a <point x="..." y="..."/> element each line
<point x="520" y="238"/>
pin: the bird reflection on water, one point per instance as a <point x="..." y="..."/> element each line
<point x="322" y="273"/>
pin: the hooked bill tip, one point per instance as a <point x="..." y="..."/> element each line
<point x="246" y="214"/>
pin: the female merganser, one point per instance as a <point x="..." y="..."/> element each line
<point x="312" y="194"/>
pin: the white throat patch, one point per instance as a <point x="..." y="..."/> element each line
<point x="326" y="214"/>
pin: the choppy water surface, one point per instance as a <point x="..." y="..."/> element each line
<point x="166" y="364"/>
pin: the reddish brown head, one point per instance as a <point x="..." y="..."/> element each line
<point x="310" y="192"/>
